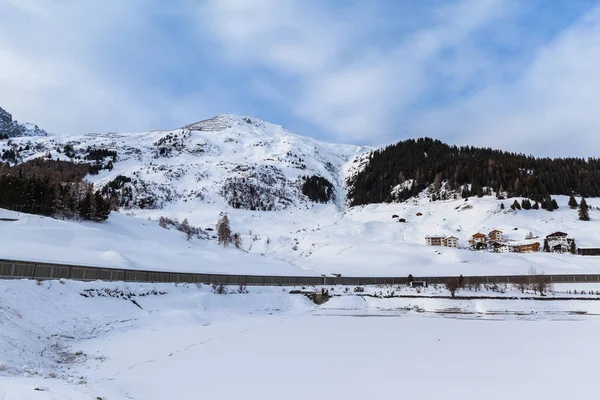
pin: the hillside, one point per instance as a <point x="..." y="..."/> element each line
<point x="403" y="170"/>
<point x="362" y="241"/>
<point x="286" y="197"/>
<point x="240" y="162"/>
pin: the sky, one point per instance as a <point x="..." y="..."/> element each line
<point x="517" y="75"/>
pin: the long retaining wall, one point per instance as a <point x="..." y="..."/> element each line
<point x="10" y="269"/>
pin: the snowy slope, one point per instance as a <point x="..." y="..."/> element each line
<point x="243" y="166"/>
<point x="239" y="161"/>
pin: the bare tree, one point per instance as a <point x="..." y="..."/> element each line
<point x="539" y="282"/>
<point x="237" y="240"/>
<point x="186" y="228"/>
<point x="437" y="182"/>
<point x="521" y="283"/>
<point x="223" y="231"/>
<point x="452" y="285"/>
<point x="474" y="283"/>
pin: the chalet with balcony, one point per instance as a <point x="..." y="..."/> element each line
<point x="498" y="247"/>
<point x="434" y="240"/>
<point x="556" y="238"/>
<point x="495" y="235"/>
<point x="450" y="241"/>
<point x="477" y="238"/>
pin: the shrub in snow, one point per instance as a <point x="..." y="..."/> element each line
<point x="3" y="366"/>
<point x="219" y="289"/>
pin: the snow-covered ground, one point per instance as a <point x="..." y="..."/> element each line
<point x="361" y="241"/>
<point x="199" y="171"/>
<point x="186" y="342"/>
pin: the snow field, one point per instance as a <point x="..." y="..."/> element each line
<point x="182" y="340"/>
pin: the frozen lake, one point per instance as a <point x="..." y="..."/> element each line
<point x="191" y="344"/>
<point x="296" y="357"/>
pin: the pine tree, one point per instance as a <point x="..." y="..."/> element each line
<point x="572" y="202"/>
<point x="479" y="192"/>
<point x="546" y="246"/>
<point x="548" y="206"/>
<point x="502" y="206"/>
<point x="223" y="231"/>
<point x="584" y="213"/>
<point x="573" y="248"/>
<point x="536" y="206"/>
<point x="102" y="208"/>
<point x="516" y="205"/>
<point x="554" y="204"/>
<point x="85" y="207"/>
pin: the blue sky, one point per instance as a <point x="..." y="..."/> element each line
<point x="512" y="74"/>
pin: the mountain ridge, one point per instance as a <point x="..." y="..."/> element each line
<point x="12" y="128"/>
<point x="240" y="162"/>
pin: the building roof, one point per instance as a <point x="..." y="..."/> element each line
<point x="451" y="237"/>
<point x="478" y="235"/>
<point x="495" y="231"/>
<point x="435" y="237"/>
<point x="557" y="234"/>
<point x="497" y="244"/>
<point x="526" y="244"/>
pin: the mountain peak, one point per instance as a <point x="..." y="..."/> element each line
<point x="222" y="122"/>
<point x="11" y="128"/>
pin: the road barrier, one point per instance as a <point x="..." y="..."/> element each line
<point x="11" y="269"/>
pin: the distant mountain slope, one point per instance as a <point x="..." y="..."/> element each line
<point x="405" y="169"/>
<point x="241" y="162"/>
<point x="10" y="128"/>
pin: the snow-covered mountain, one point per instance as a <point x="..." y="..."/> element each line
<point x="243" y="162"/>
<point x="11" y="128"/>
<point x="256" y="173"/>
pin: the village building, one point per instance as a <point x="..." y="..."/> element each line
<point x="526" y="248"/>
<point x="480" y="246"/>
<point x="434" y="240"/>
<point x="590" y="251"/>
<point x="499" y="247"/>
<point x="477" y="238"/>
<point x="559" y="248"/>
<point x="440" y="240"/>
<point x="558" y="242"/>
<point x="450" y="241"/>
<point x="557" y="238"/>
<point x="495" y="235"/>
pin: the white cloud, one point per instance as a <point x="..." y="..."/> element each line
<point x="551" y="108"/>
<point x="66" y="66"/>
<point x="348" y="86"/>
<point x="74" y="66"/>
